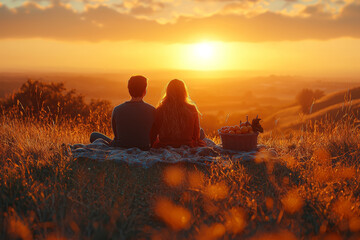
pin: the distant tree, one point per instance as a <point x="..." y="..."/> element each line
<point x="306" y="97"/>
<point x="318" y="94"/>
<point x="51" y="101"/>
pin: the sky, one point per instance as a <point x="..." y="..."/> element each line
<point x="319" y="37"/>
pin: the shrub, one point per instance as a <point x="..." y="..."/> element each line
<point x="306" y="97"/>
<point x="52" y="102"/>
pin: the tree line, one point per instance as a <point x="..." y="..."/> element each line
<point x="52" y="102"/>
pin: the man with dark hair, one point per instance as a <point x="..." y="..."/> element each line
<point x="137" y="86"/>
<point x="131" y="121"/>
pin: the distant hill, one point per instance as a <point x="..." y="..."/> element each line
<point x="336" y="98"/>
<point x="332" y="106"/>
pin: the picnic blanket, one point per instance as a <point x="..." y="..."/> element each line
<point x="100" y="151"/>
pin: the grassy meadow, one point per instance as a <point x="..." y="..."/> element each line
<point x="305" y="185"/>
<point x="293" y="64"/>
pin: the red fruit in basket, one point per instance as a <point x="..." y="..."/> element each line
<point x="242" y="124"/>
<point x="250" y="129"/>
<point x="244" y="129"/>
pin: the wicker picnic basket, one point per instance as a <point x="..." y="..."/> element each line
<point x="240" y="142"/>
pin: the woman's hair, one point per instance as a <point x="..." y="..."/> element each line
<point x="176" y="107"/>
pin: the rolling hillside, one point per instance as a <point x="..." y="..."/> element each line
<point x="332" y="106"/>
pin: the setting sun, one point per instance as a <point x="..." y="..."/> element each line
<point x="204" y="56"/>
<point x="204" y="50"/>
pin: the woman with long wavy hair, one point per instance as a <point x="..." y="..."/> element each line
<point x="177" y="119"/>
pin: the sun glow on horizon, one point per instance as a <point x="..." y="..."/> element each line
<point x="204" y="50"/>
<point x="203" y="56"/>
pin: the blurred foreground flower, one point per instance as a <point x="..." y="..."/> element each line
<point x="354" y="224"/>
<point x="174" y="176"/>
<point x="217" y="191"/>
<point x="343" y="208"/>
<point x="212" y="232"/>
<point x="292" y="201"/>
<point x="176" y="217"/>
<point x="16" y="227"/>
<point x="235" y="220"/>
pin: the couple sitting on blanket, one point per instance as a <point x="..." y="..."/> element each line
<point x="175" y="122"/>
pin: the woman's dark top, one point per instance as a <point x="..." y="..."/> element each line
<point x="190" y="136"/>
<point x="132" y="123"/>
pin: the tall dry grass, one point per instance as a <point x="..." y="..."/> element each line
<point x="300" y="185"/>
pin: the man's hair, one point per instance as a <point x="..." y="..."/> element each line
<point x="137" y="85"/>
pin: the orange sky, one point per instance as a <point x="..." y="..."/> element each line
<point x="281" y="37"/>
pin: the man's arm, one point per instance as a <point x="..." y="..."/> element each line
<point x="113" y="123"/>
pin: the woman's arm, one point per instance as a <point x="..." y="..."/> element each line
<point x="196" y="134"/>
<point x="155" y="128"/>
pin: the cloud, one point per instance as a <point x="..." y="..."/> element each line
<point x="142" y="8"/>
<point x="317" y="10"/>
<point x="103" y="23"/>
<point x="232" y="1"/>
<point x="247" y="8"/>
